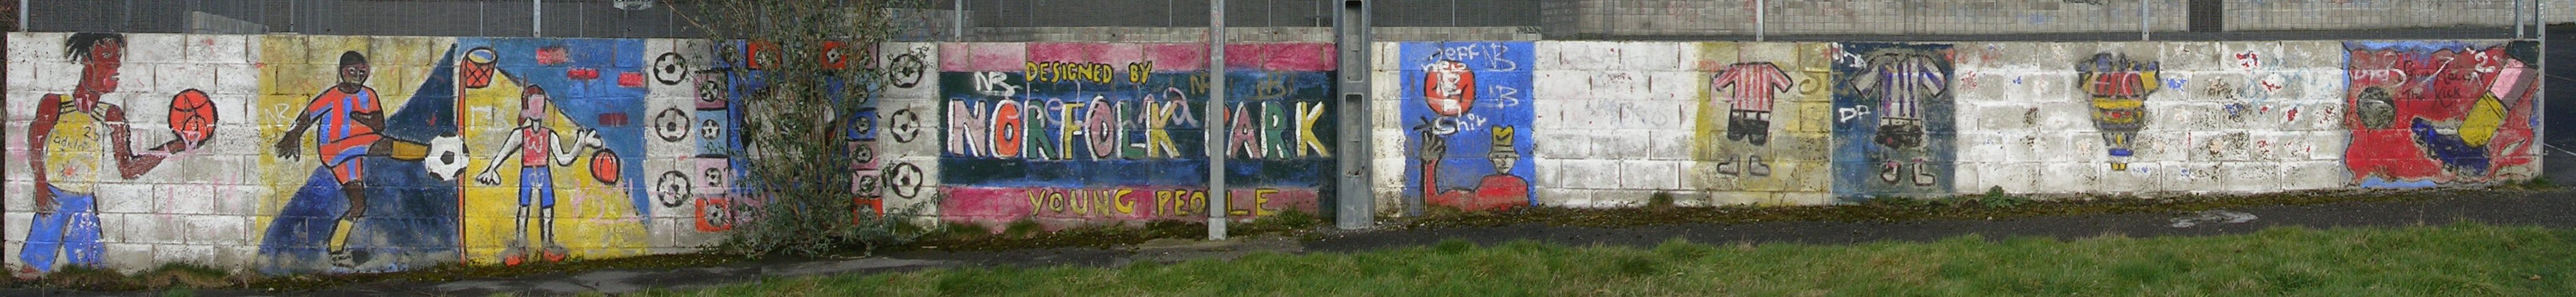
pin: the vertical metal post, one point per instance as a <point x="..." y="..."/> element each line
<point x="4" y="96"/>
<point x="957" y="31"/>
<point x="1758" y="22"/>
<point x="2145" y="24"/>
<point x="22" y="15"/>
<point x="1355" y="201"/>
<point x="581" y="21"/>
<point x="2517" y="19"/>
<point x="1216" y="123"/>
<point x="537" y="18"/>
<point x="2539" y="10"/>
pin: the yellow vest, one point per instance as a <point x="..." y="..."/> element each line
<point x="75" y="151"/>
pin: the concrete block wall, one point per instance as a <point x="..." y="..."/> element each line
<point x="1617" y="123"/>
<point x="1897" y="17"/>
<point x="2219" y="117"/>
<point x="1628" y="101"/>
<point x="641" y="136"/>
<point x="1237" y="35"/>
<point x="1875" y="17"/>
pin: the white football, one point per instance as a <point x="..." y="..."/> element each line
<point x="446" y="157"/>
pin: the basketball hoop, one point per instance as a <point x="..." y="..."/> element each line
<point x="634" y="5"/>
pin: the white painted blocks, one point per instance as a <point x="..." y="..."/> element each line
<point x="1650" y="174"/>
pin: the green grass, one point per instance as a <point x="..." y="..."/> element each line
<point x="2452" y="260"/>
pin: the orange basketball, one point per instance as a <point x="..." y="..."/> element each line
<point x="192" y="115"/>
<point x="603" y="166"/>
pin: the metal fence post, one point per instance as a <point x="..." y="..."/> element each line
<point x="1216" y="127"/>
<point x="2145" y="22"/>
<point x="957" y="30"/>
<point x="537" y="18"/>
<point x="1355" y="201"/>
<point x="1758" y="22"/>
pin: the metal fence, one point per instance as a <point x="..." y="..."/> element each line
<point x="1244" y="13"/>
<point x="561" y="18"/>
<point x="602" y="18"/>
<point x="1555" y="19"/>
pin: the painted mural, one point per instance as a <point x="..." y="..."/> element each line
<point x="555" y="105"/>
<point x="1893" y="132"/>
<point x="340" y="154"/>
<point x="899" y="138"/>
<point x="1763" y="121"/>
<point x="553" y="117"/>
<point x="75" y="140"/>
<point x="2117" y="88"/>
<point x="2426" y="114"/>
<point x="1065" y="133"/>
<point x="354" y="115"/>
<point x="1469" y="138"/>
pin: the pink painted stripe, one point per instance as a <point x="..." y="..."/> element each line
<point x="1261" y="56"/>
<point x="965" y="57"/>
<point x="1281" y="56"/>
<point x="1177" y="56"/>
<point x="976" y="56"/>
<point x="1067" y="52"/>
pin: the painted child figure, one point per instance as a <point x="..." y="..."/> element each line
<point x="78" y="138"/>
<point x="536" y="145"/>
<point x="348" y="115"/>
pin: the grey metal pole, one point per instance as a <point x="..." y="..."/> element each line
<point x="22" y="15"/>
<point x="1216" y="124"/>
<point x="2145" y="24"/>
<point x="2517" y="19"/>
<point x="1355" y="200"/>
<point x="1758" y="22"/>
<point x="537" y="18"/>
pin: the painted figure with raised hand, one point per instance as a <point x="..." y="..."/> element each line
<point x="538" y="151"/>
